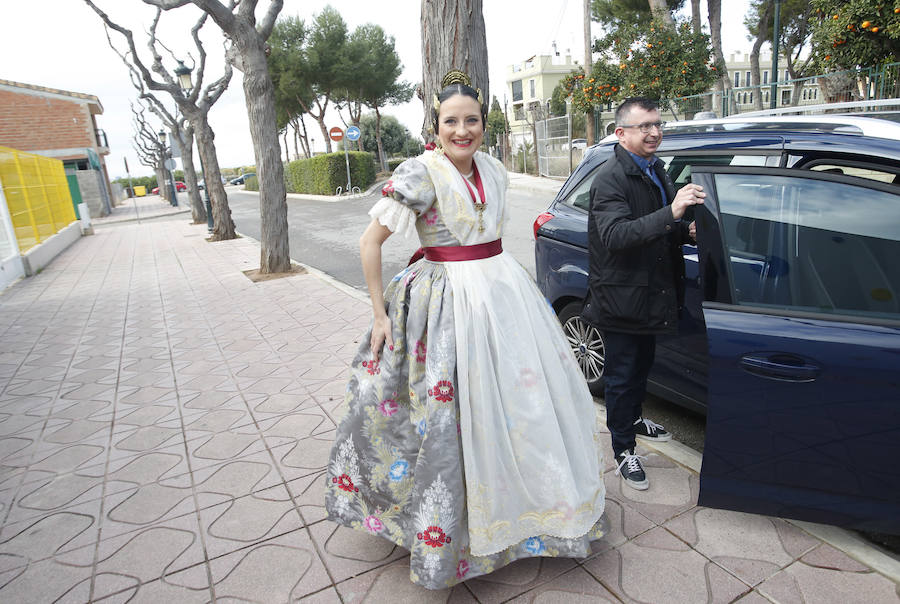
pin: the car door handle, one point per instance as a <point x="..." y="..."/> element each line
<point x="782" y="367"/>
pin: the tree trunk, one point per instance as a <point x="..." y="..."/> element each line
<point x="287" y="151"/>
<point x="161" y="181"/>
<point x="296" y="138"/>
<point x="378" y="140"/>
<point x="259" y="93"/>
<point x="198" y="212"/>
<point x="660" y="11"/>
<point x="715" y="38"/>
<point x="453" y="37"/>
<point x="223" y="226"/>
<point x="763" y="31"/>
<point x="695" y="17"/>
<point x="304" y="140"/>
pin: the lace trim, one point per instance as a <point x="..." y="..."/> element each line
<point x="489" y="539"/>
<point x="394" y="215"/>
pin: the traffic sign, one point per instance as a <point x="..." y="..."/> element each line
<point x="336" y="134"/>
<point x="353" y="133"/>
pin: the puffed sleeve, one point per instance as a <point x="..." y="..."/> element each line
<point x="412" y="195"/>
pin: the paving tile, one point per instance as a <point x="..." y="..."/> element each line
<point x="326" y="596"/>
<point x="147" y="554"/>
<point x="622" y="523"/>
<point x="309" y="496"/>
<point x="678" y="573"/>
<point x="517" y="578"/>
<point x="45" y="581"/>
<point x="277" y="570"/>
<point x="170" y="588"/>
<point x="347" y="552"/>
<point x="24" y="543"/>
<point x="750" y="546"/>
<point x="391" y="584"/>
<point x="308" y="455"/>
<point x="804" y="582"/>
<point x="19" y="424"/>
<point x="248" y="520"/>
<point x="673" y="489"/>
<point x="574" y="587"/>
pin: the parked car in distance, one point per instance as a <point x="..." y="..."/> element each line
<point x="179" y="187"/>
<point x="240" y="179"/>
<point x="789" y="338"/>
<point x="579" y="143"/>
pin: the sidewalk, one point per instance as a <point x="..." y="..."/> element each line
<point x="165" y="425"/>
<point x="140" y="208"/>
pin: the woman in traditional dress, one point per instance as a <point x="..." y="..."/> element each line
<point x="470" y="437"/>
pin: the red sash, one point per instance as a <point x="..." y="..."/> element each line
<point x="456" y="253"/>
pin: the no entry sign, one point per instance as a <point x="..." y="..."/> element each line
<point x="336" y="134"/>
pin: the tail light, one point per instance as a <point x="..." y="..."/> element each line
<point x="541" y="219"/>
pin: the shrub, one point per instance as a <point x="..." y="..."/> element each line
<point x="393" y="163"/>
<point x="251" y="183"/>
<point x="323" y="174"/>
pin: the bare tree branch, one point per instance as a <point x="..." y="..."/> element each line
<point x="268" y="22"/>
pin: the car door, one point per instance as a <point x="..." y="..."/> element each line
<point x="802" y="312"/>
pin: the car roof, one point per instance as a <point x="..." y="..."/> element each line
<point x="830" y="124"/>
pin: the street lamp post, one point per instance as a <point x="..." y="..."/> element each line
<point x="170" y="180"/>
<point x="183" y="72"/>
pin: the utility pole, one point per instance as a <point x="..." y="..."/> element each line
<point x="588" y="62"/>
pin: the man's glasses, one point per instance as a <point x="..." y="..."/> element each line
<point x="646" y="127"/>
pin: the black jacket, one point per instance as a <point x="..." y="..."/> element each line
<point x="636" y="281"/>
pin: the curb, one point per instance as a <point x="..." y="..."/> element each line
<point x="331" y="198"/>
<point x="98" y="223"/>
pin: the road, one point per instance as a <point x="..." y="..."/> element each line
<point x="325" y="235"/>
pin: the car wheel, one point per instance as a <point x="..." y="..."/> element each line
<point x="587" y="345"/>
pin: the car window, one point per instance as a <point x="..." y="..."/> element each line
<point x="811" y="244"/>
<point x="580" y="196"/>
<point x="860" y="171"/>
<point x="678" y="167"/>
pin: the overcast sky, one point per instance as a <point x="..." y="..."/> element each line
<point x="62" y="44"/>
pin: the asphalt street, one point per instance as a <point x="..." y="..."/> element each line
<point x="325" y="235"/>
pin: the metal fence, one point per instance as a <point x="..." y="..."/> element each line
<point x="37" y="196"/>
<point x="869" y="84"/>
<point x="553" y="147"/>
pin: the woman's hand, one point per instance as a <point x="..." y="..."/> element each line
<point x="381" y="335"/>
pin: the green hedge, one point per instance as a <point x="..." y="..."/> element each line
<point x="251" y="184"/>
<point x="393" y="163"/>
<point x="323" y="174"/>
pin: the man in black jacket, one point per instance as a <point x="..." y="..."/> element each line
<point x="636" y="281"/>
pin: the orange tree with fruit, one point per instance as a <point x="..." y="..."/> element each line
<point x="654" y="60"/>
<point x="856" y="33"/>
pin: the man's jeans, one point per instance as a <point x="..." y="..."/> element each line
<point x="629" y="358"/>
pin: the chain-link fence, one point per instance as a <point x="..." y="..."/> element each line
<point x="37" y="196"/>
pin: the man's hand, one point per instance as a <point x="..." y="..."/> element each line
<point x="688" y="195"/>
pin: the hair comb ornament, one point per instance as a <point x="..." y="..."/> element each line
<point x="455" y="76"/>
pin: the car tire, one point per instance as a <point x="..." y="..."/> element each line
<point x="587" y="345"/>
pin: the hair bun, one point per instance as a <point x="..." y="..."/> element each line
<point x="455" y="76"/>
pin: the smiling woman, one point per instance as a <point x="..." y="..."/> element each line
<point x="471" y="439"/>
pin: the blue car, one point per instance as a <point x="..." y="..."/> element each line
<point x="790" y="336"/>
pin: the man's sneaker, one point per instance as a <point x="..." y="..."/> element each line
<point x="646" y="429"/>
<point x="629" y="466"/>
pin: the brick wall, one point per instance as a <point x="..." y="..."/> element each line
<point x="29" y="122"/>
